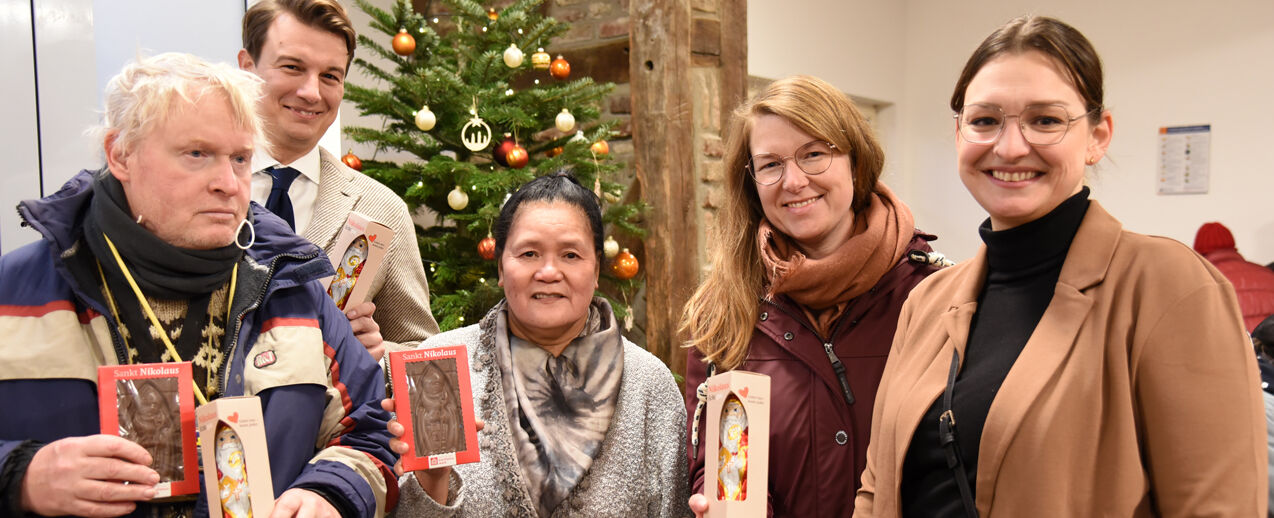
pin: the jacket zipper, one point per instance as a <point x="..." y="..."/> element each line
<point x="238" y="319"/>
<point x="837" y="365"/>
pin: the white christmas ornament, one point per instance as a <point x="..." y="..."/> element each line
<point x="425" y="119"/>
<point x="579" y="137"/>
<point x="513" y="56"/>
<point x="610" y="247"/>
<point x="457" y="199"/>
<point x="565" y="121"/>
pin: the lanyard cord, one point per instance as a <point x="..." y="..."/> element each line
<point x="150" y="314"/>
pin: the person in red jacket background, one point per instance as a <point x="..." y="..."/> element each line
<point x="1253" y="283"/>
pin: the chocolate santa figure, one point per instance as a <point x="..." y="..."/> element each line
<point x="347" y="272"/>
<point x="732" y="470"/>
<point x="232" y="474"/>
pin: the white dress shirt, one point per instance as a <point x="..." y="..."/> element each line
<point x="303" y="191"/>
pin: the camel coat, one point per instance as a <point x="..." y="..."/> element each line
<point x="1137" y="394"/>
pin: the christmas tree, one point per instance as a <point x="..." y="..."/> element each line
<point x="480" y="120"/>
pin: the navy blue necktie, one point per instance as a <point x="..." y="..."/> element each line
<point x="279" y="202"/>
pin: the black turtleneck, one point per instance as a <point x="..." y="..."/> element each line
<point x="1023" y="265"/>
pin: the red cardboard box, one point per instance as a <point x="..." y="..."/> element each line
<point x="434" y="403"/>
<point x="153" y="404"/>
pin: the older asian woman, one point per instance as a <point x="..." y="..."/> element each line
<point x="811" y="262"/>
<point x="578" y="421"/>
<point x="1091" y="371"/>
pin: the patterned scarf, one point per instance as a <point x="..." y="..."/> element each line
<point x="560" y="407"/>
<point x="823" y="287"/>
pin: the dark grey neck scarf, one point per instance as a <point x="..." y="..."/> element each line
<point x="560" y="408"/>
<point x="160" y="269"/>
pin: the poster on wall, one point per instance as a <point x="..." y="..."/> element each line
<point x="1184" y="159"/>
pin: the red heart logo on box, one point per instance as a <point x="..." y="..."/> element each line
<point x="743" y="392"/>
<point x="234" y="418"/>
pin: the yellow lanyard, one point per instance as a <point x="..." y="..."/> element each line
<point x="150" y="314"/>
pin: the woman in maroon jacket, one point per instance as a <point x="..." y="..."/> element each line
<point x="811" y="262"/>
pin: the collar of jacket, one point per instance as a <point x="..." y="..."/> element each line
<point x="278" y="256"/>
<point x="814" y="356"/>
<point x="1087" y="264"/>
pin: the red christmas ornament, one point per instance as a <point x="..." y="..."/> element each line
<point x="404" y="44"/>
<point x="501" y="152"/>
<point x="486" y="248"/>
<point x="352" y="161"/>
<point x="600" y="147"/>
<point x="625" y="266"/>
<point x="517" y="157"/>
<point x="560" y="68"/>
<point x="554" y="152"/>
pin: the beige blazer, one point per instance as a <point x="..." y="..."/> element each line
<point x="1137" y="394"/>
<point x="400" y="291"/>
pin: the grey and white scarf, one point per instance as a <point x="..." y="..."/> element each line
<point x="560" y="407"/>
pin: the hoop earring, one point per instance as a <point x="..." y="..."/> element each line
<point x="252" y="232"/>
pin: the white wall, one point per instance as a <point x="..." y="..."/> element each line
<point x="1167" y="63"/>
<point x="78" y="46"/>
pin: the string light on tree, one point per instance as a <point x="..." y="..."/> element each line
<point x="403" y="43"/>
<point x="352" y="160"/>
<point x="492" y="15"/>
<point x="425" y="119"/>
<point x="565" y="121"/>
<point x="457" y="199"/>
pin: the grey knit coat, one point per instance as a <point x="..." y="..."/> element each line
<point x="640" y="470"/>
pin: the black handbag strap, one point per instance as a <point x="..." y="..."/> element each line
<point x="947" y="436"/>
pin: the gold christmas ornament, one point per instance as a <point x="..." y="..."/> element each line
<point x="540" y="60"/>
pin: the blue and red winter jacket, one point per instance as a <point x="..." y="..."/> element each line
<point x="320" y="395"/>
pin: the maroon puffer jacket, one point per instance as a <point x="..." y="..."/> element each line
<point x="818" y="442"/>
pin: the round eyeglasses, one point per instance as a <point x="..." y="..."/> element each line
<point x="1041" y="124"/>
<point x="813" y="158"/>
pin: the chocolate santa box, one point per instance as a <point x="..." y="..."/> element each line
<point x="737" y="449"/>
<point x="235" y="458"/>
<point x="153" y="404"/>
<point x="356" y="256"/>
<point x="433" y="401"/>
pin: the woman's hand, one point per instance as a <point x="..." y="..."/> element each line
<point x="699" y="504"/>
<point x="434" y="482"/>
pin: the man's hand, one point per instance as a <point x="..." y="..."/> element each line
<point x="303" y="503"/>
<point x="366" y="330"/>
<point x="96" y="476"/>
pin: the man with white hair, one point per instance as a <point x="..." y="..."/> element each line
<point x="160" y="257"/>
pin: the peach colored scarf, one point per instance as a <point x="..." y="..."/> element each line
<point x="823" y="287"/>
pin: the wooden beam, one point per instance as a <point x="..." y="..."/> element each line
<point x="664" y="158"/>
<point x="734" y="57"/>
